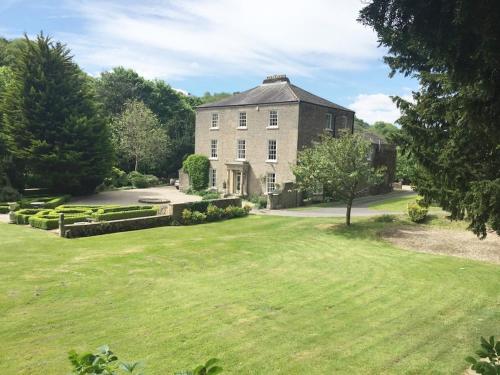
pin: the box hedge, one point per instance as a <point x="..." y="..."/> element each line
<point x="105" y="227"/>
<point x="49" y="222"/>
<point x="119" y="215"/>
<point x="22" y="216"/>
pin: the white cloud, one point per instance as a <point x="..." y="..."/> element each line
<point x="376" y="107"/>
<point x="179" y="38"/>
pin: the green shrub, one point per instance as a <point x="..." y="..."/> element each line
<point x="119" y="215"/>
<point x="193" y="217"/>
<point x="107" y="209"/>
<point x="210" y="195"/>
<point x="105" y="227"/>
<point x="489" y="355"/>
<point x="422" y="202"/>
<point x="4" y="209"/>
<point x="197" y="166"/>
<point x="417" y="213"/>
<point x="117" y="179"/>
<point x="214" y="213"/>
<point x="50" y="221"/>
<point x="260" y="201"/>
<point x="233" y="211"/>
<point x="9" y="194"/>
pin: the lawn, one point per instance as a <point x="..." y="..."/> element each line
<point x="266" y="295"/>
<point x="399" y="204"/>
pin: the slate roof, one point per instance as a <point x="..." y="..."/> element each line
<point x="273" y="92"/>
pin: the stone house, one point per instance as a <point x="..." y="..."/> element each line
<point x="252" y="138"/>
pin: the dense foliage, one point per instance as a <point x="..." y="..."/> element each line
<point x="489" y="354"/>
<point x="452" y="129"/>
<point x="338" y="166"/>
<point x="51" y="125"/>
<point x="139" y="136"/>
<point x="197" y="167"/>
<point x="173" y="110"/>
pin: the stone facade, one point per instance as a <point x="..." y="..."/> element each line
<point x="299" y="122"/>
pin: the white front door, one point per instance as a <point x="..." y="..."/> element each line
<point x="237" y="183"/>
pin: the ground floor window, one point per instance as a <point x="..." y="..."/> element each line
<point x="271" y="182"/>
<point x="213" y="178"/>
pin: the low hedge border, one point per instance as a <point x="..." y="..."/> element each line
<point x="107" y="209"/>
<point x="4" y="209"/>
<point x="120" y="215"/>
<point x="48" y="202"/>
<point x="106" y="227"/>
<point x="50" y="222"/>
<point x="22" y="216"/>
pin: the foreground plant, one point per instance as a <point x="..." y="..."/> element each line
<point x="106" y="362"/>
<point x="489" y="354"/>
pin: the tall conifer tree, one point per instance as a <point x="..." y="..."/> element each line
<point x="53" y="127"/>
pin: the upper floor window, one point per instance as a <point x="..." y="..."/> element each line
<point x="271" y="150"/>
<point x="215" y="120"/>
<point x="243" y="120"/>
<point x="213" y="149"/>
<point x="273" y="119"/>
<point x="328" y="124"/>
<point x="241" y="149"/>
<point x="271" y="182"/>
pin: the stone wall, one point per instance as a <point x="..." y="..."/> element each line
<point x="288" y="197"/>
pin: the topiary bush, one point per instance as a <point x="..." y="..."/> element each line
<point x="416" y="212"/>
<point x="197" y="167"/>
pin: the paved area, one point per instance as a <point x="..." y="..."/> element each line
<point x="131" y="197"/>
<point x="360" y="208"/>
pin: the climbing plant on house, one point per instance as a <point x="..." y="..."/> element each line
<point x="197" y="166"/>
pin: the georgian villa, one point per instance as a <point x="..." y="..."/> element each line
<point x="252" y="138"/>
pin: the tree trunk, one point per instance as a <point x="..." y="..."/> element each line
<point x="348" y="212"/>
<point x="136" y="163"/>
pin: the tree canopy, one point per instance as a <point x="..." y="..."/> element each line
<point x="339" y="166"/>
<point x="51" y="124"/>
<point x="452" y="129"/>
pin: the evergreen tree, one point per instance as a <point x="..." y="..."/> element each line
<point x="52" y="125"/>
<point x="452" y="129"/>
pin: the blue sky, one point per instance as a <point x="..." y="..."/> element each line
<point x="223" y="45"/>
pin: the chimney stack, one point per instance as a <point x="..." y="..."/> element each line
<point x="276" y="78"/>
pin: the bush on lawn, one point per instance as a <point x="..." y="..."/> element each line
<point x="214" y="213"/>
<point x="416" y="212"/>
<point x="119" y="215"/>
<point x="489" y="354"/>
<point x="197" y="166"/>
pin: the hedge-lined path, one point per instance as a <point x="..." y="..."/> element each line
<point x="131" y="197"/>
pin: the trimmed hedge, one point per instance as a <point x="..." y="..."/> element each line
<point x="49" y="222"/>
<point x="107" y="209"/>
<point x="105" y="227"/>
<point x="4" y="209"/>
<point x="22" y="216"/>
<point x="48" y="202"/>
<point x="213" y="213"/>
<point x="124" y="214"/>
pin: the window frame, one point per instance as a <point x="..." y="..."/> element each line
<point x="213" y="178"/>
<point x="271" y="119"/>
<point x="245" y="120"/>
<point x="329" y="121"/>
<point x="215" y="120"/>
<point x="269" y="159"/>
<point x="268" y="183"/>
<point x="238" y="149"/>
<point x="214" y="155"/>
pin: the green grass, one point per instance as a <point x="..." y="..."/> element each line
<point x="393" y="204"/>
<point x="266" y="295"/>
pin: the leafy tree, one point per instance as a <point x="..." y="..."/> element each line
<point x="53" y="129"/>
<point x="360" y="125"/>
<point x="452" y="129"/>
<point x="385" y="129"/>
<point x="338" y="165"/>
<point x="215" y="97"/>
<point x="174" y="111"/>
<point x="138" y="134"/>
